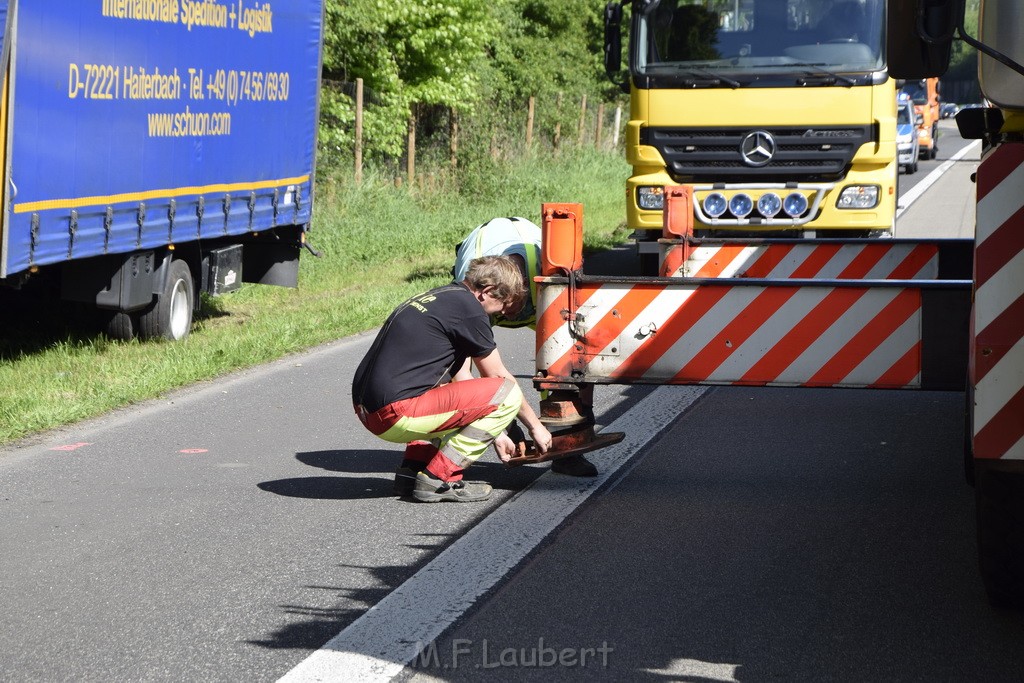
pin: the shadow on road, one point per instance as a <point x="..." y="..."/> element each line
<point x="329" y="488"/>
<point x="336" y="460"/>
<point x="375" y="462"/>
<point x="320" y="624"/>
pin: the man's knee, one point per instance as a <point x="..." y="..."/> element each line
<point x="510" y="404"/>
<point x="513" y="397"/>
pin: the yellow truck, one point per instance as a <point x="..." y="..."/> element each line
<point x="778" y="113"/>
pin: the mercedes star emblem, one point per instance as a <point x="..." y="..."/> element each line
<point x="757" y="148"/>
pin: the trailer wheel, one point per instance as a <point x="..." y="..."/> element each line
<point x="119" y="325"/>
<point x="170" y="316"/>
<point x="1000" y="509"/>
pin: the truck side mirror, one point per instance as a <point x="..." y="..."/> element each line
<point x="613" y="42"/>
<point x="919" y="36"/>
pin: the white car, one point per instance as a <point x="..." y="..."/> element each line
<point x="907" y="145"/>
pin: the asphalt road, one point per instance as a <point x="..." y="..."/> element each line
<point x="230" y="531"/>
<point x="768" y="534"/>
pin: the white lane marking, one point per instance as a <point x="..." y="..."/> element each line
<point x="914" y="193"/>
<point x="377" y="645"/>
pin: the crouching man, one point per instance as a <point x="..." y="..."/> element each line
<point x="402" y="389"/>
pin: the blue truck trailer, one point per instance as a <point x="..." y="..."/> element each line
<point x="156" y="149"/>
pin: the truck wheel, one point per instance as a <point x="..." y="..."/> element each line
<point x="934" y="152"/>
<point x="1000" y="509"/>
<point x="170" y="316"/>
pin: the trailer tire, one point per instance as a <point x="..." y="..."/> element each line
<point x="170" y="316"/>
<point x="1000" y="515"/>
<point x="119" y="325"/>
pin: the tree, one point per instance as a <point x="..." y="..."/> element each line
<point x="483" y="58"/>
<point x="410" y="52"/>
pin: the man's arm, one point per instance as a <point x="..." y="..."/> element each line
<point x="492" y="366"/>
<point x="464" y="373"/>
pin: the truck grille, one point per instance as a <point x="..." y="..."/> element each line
<point x="802" y="153"/>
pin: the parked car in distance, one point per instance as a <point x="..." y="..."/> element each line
<point x="907" y="143"/>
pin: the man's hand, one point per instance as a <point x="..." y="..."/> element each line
<point x="541" y="437"/>
<point x="507" y="449"/>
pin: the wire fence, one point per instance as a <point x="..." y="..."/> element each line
<point x="442" y="138"/>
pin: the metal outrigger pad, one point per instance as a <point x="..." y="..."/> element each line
<point x="576" y="441"/>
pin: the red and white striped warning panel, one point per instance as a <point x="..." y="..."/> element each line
<point x="790" y="321"/>
<point x="998" y="345"/>
<point x="850" y="260"/>
<point x="663" y="333"/>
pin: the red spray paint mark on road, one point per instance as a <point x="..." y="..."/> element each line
<point x="193" y="450"/>
<point x="71" y="446"/>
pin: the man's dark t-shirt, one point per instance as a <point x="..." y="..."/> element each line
<point x="425" y="338"/>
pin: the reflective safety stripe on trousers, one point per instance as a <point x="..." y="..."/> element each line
<point x="998" y="344"/>
<point x="460" y="419"/>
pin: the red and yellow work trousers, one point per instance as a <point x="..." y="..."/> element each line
<point x="449" y="426"/>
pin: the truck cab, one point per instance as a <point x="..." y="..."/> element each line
<point x="924" y="93"/>
<point x="780" y="116"/>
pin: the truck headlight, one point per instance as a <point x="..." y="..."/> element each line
<point x="858" y="197"/>
<point x="650" y="198"/>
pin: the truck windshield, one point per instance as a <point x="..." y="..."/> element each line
<point x="730" y="39"/>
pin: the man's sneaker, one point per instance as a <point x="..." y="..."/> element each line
<point x="405" y="481"/>
<point x="430" y="489"/>
<point x="574" y="466"/>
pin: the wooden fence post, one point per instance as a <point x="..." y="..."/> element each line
<point x="410" y="166"/>
<point x="583" y="119"/>
<point x="453" y="136"/>
<point x="529" y="122"/>
<point x="618" y="123"/>
<point x="359" y="131"/>
<point x="558" y="122"/>
<point x="600" y="125"/>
